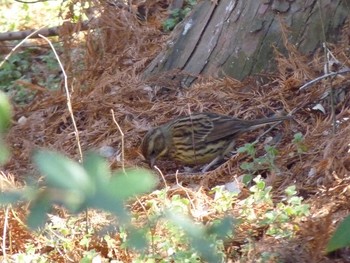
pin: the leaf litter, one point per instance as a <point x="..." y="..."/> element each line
<point x="105" y="68"/>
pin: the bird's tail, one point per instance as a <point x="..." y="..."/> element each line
<point x="260" y="122"/>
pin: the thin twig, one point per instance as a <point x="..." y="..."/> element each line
<point x="340" y="72"/>
<point x="161" y="174"/>
<point x="70" y="109"/>
<point x="327" y="70"/>
<point x="122" y="134"/>
<point x="14" y="214"/>
<point x="176" y="177"/>
<point x="69" y="103"/>
<point x="4" y="233"/>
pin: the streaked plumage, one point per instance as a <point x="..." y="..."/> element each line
<point x="197" y="139"/>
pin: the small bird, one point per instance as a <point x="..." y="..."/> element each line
<point x="198" y="138"/>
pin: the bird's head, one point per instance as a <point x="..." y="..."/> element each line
<point x="154" y="145"/>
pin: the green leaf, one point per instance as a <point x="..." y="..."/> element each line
<point x="4" y="152"/>
<point x="197" y="236"/>
<point x="169" y="24"/>
<point x="247" y="166"/>
<point x="104" y="199"/>
<point x="29" y="193"/>
<point x="175" y="12"/>
<point x="38" y="211"/>
<point x="298" y="137"/>
<point x="290" y="190"/>
<point x="260" y="184"/>
<point x="247" y="178"/>
<point x="294" y="200"/>
<point x="11" y="197"/>
<point x="63" y="173"/>
<point x="133" y="182"/>
<point x="247" y="148"/>
<point x="137" y="239"/>
<point x="192" y="2"/>
<point x="185" y="12"/>
<point x="97" y="169"/>
<point x="221" y="228"/>
<point x="271" y="151"/>
<point x="242" y="149"/>
<point x="341" y="237"/>
<point x="5" y="112"/>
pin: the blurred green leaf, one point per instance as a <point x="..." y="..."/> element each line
<point x="97" y="169"/>
<point x="299" y="143"/>
<point x="111" y="196"/>
<point x="247" y="148"/>
<point x="169" y="24"/>
<point x="38" y="211"/>
<point x="5" y="112"/>
<point x="175" y="12"/>
<point x="298" y="137"/>
<point x="247" y="178"/>
<point x="137" y="238"/>
<point x="104" y="199"/>
<point x="4" y="152"/>
<point x="290" y="190"/>
<point x="11" y="197"/>
<point x="247" y="166"/>
<point x="221" y="228"/>
<point x="260" y="184"/>
<point x="74" y="200"/>
<point x="61" y="172"/>
<point x="5" y="121"/>
<point x="199" y="240"/>
<point x="271" y="151"/>
<point x="134" y="182"/>
<point x="341" y="237"/>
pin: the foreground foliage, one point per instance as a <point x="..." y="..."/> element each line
<point x="167" y="228"/>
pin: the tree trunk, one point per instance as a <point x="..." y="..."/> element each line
<point x="236" y="37"/>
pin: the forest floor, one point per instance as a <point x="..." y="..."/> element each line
<point x="104" y="68"/>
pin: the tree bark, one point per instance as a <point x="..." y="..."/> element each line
<point x="236" y="37"/>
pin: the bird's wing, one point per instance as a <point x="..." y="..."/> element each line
<point x="193" y="130"/>
<point x="224" y="126"/>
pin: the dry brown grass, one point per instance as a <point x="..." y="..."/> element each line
<point x="113" y="58"/>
